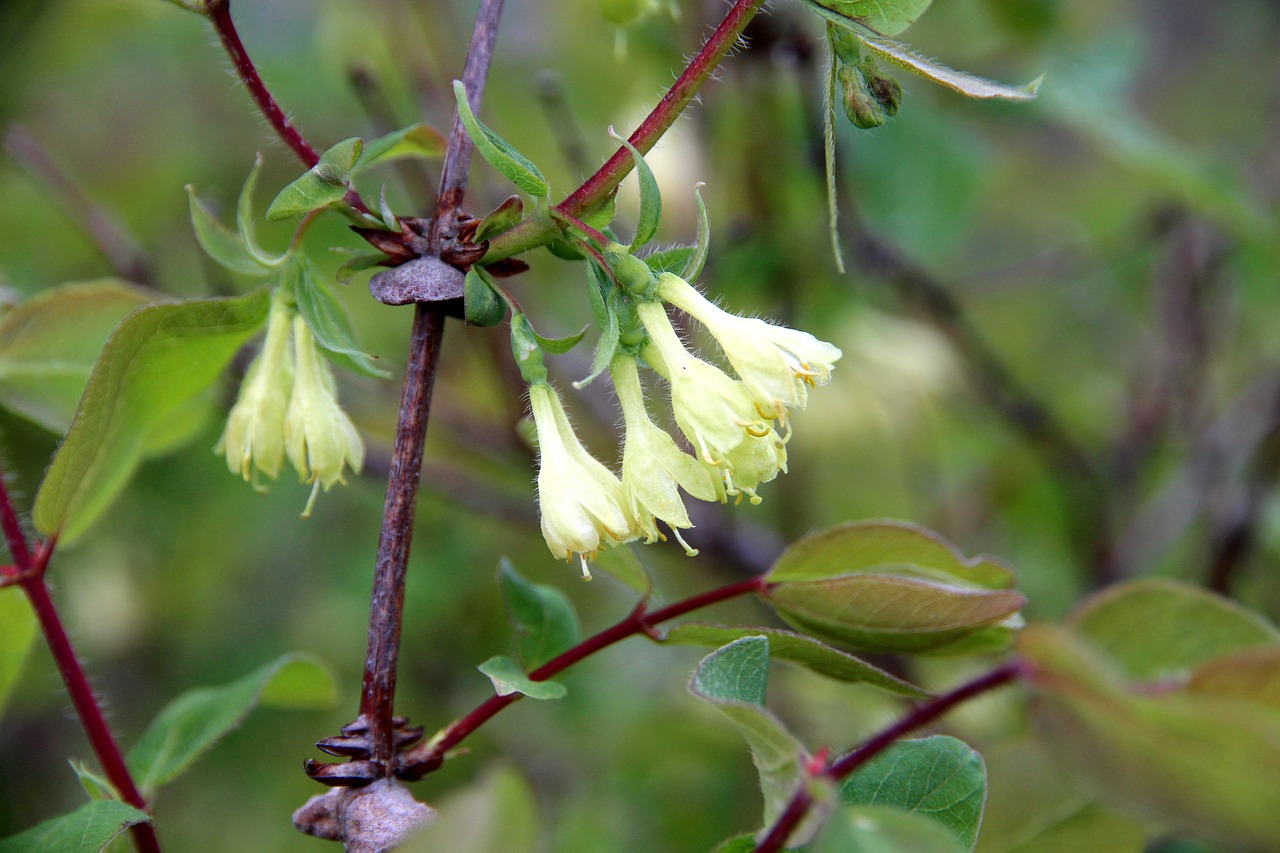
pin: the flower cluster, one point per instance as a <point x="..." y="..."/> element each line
<point x="737" y="424"/>
<point x="288" y="407"/>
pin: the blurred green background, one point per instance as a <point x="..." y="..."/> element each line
<point x="1058" y="325"/>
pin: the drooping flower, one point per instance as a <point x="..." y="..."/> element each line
<point x="654" y="469"/>
<point x="579" y="499"/>
<point x="320" y="440"/>
<point x="716" y="413"/>
<point x="776" y="364"/>
<point x="253" y="439"/>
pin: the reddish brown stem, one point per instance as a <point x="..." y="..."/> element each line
<point x="639" y="621"/>
<point x="30" y="576"/>
<point x="921" y="715"/>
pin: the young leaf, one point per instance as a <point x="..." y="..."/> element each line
<point x="155" y="363"/>
<point x="543" y="617"/>
<point x="959" y="81"/>
<point x="416" y="140"/>
<point x="358" y="262"/>
<point x="734" y="679"/>
<point x="886" y="17"/>
<point x="624" y="564"/>
<point x="95" y="785"/>
<point x="481" y="304"/>
<point x="693" y="268"/>
<point x="245" y="217"/>
<point x="938" y="777"/>
<point x="190" y="725"/>
<point x="498" y="152"/>
<point x="673" y="260"/>
<point x="650" y="196"/>
<point x="327" y="319"/>
<point x="48" y="345"/>
<point x="1161" y="629"/>
<point x="508" y="678"/>
<point x="497" y="814"/>
<point x="88" y="829"/>
<point x="322" y="185"/>
<point x="219" y="243"/>
<point x="829" y="147"/>
<point x="504" y="217"/>
<point x="559" y="346"/>
<point x="797" y="649"/>
<point x="884" y="830"/>
<point x="17" y="633"/>
<point x="603" y="307"/>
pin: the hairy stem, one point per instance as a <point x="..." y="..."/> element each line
<point x="30" y="571"/>
<point x="428" y="757"/>
<point x="387" y="605"/>
<point x="921" y="715"/>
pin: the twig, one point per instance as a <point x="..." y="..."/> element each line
<point x="29" y="570"/>
<point x="104" y="230"/>
<point x="429" y="756"/>
<point x="387" y="606"/>
<point x="373" y="99"/>
<point x="921" y="715"/>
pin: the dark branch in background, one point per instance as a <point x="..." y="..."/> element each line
<point x="28" y="571"/>
<point x="386" y="612"/>
<point x="429" y="756"/>
<point x="918" y="717"/>
<point x="369" y="91"/>
<point x="562" y="122"/>
<point x="104" y="230"/>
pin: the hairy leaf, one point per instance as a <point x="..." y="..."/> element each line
<point x="322" y="185"/>
<point x="886" y="17"/>
<point x="220" y="243"/>
<point x="966" y="84"/>
<point x="159" y="359"/>
<point x="416" y="140"/>
<point x="545" y="621"/>
<point x="498" y="152"/>
<point x="88" y="829"/>
<point x="328" y="319"/>
<point x="190" y="725"/>
<point x="938" y="777"/>
<point x="650" y="196"/>
<point x="508" y="678"/>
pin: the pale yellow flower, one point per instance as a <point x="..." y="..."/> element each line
<point x="253" y="439"/>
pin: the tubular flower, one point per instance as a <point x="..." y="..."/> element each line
<point x="653" y="468"/>
<point x="320" y="439"/>
<point x="716" y="413"/>
<point x="253" y="439"/>
<point x="776" y="364"/>
<point x="579" y="499"/>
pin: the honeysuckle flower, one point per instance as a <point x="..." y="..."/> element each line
<point x="253" y="439"/>
<point x="319" y="438"/>
<point x="579" y="499"/>
<point x="654" y="469"/>
<point x="776" y="364"/>
<point x="715" y="412"/>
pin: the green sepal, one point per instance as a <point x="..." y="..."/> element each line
<point x="220" y="243"/>
<point x="322" y="185"/>
<point x="526" y="350"/>
<point x="245" y="217"/>
<point x="498" y="152"/>
<point x="559" y="346"/>
<point x="416" y="140"/>
<point x="672" y="260"/>
<point x="481" y="304"/>
<point x="650" y="196"/>
<point x="632" y="274"/>
<point x="327" y="319"/>
<point x="508" y="678"/>
<point x="693" y="267"/>
<point x="603" y="300"/>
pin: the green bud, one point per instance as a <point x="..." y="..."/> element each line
<point x="527" y="351"/>
<point x="860" y="105"/>
<point x="632" y="273"/>
<point x="883" y="87"/>
<point x="482" y="306"/>
<point x="845" y="45"/>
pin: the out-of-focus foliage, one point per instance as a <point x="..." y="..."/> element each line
<point x="1111" y="251"/>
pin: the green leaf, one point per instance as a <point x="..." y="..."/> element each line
<point x="1248" y="675"/>
<point x="48" y="345"/>
<point x="559" y="346"/>
<point x="245" y="217"/>
<point x="604" y="308"/>
<point x="899" y="548"/>
<point x="672" y="260"/>
<point x="734" y="679"/>
<point x="543" y="617"/>
<point x="323" y="184"/>
<point x="693" y="267"/>
<point x="880" y="829"/>
<point x="959" y="81"/>
<point x="190" y="725"/>
<point x="159" y="359"/>
<point x="496" y="814"/>
<point x="498" y="152"/>
<point x="1191" y="760"/>
<point x="416" y="140"/>
<point x="481" y="304"/>
<point x="738" y="844"/>
<point x="88" y="829"/>
<point x="1160" y="629"/>
<point x="327" y="319"/>
<point x="17" y="634"/>
<point x="508" y="678"/>
<point x="357" y="263"/>
<point x="938" y="777"/>
<point x="95" y="785"/>
<point x="219" y="243"/>
<point x="798" y="649"/>
<point x="624" y="564"/>
<point x="650" y="196"/>
<point x="886" y="17"/>
<point x="502" y="218"/>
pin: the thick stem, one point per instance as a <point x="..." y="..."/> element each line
<point x="639" y="621"/>
<point x="387" y="606"/>
<point x="921" y="715"/>
<point x="30" y="572"/>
